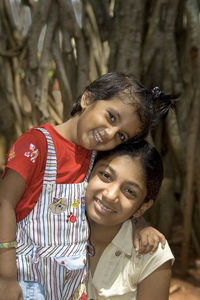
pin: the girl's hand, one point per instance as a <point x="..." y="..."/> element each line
<point x="10" y="290"/>
<point x="147" y="239"/>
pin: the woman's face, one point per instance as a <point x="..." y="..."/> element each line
<point x="116" y="190"/>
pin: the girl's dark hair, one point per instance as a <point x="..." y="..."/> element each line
<point x="152" y="105"/>
<point x="150" y="160"/>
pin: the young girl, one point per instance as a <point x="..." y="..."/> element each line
<point x="124" y="183"/>
<point x="43" y="187"/>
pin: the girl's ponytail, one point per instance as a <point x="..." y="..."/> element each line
<point x="159" y="105"/>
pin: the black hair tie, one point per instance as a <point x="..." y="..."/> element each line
<point x="156" y="92"/>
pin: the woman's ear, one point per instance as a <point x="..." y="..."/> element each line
<point x="86" y="100"/>
<point x="143" y="208"/>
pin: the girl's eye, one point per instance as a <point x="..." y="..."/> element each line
<point x="111" y="117"/>
<point x="105" y="176"/>
<point x="122" y="137"/>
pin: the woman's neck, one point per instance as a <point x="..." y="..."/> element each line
<point x="100" y="235"/>
<point x="100" y="238"/>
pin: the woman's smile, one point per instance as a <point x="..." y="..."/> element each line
<point x="102" y="208"/>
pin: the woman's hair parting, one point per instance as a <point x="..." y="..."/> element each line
<point x="152" y="105"/>
<point x="150" y="159"/>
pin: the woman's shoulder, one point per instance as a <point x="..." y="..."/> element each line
<point x="150" y="262"/>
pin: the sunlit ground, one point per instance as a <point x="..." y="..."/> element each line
<point x="188" y="287"/>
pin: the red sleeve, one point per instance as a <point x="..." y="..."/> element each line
<point x="27" y="156"/>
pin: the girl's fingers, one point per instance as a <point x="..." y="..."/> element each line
<point x="136" y="243"/>
<point x="144" y="245"/>
<point x="147" y="241"/>
<point x="163" y="241"/>
<point x="156" y="242"/>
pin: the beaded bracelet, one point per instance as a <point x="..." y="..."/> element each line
<point x="8" y="244"/>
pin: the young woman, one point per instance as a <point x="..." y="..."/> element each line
<point x="124" y="183"/>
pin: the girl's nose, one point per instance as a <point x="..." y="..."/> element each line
<point x="111" y="132"/>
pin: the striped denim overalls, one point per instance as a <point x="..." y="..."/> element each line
<point x="52" y="239"/>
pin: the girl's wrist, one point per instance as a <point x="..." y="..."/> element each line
<point x="6" y="245"/>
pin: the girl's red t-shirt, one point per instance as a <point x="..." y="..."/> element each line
<point x="28" y="155"/>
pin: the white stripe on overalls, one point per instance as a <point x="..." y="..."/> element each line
<point x="52" y="239"/>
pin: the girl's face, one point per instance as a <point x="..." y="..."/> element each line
<point x="104" y="124"/>
<point x="116" y="191"/>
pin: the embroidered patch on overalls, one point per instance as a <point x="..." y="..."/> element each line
<point x="71" y="218"/>
<point x="83" y="208"/>
<point x="58" y="206"/>
<point x="83" y="296"/>
<point x="76" y="203"/>
<point x="81" y="290"/>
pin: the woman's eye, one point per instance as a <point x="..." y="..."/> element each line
<point x="111" y="116"/>
<point x="130" y="192"/>
<point x="122" y="137"/>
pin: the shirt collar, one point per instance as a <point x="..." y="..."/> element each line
<point x="124" y="238"/>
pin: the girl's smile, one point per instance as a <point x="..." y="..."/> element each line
<point x="97" y="136"/>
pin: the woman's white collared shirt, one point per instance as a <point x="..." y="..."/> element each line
<point x="120" y="269"/>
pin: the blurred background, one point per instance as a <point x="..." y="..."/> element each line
<point x="51" y="49"/>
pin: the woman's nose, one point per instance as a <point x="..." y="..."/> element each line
<point x="111" y="193"/>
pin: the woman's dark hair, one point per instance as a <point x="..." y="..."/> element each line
<point x="152" y="105"/>
<point x="150" y="160"/>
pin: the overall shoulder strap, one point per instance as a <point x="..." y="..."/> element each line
<point x="51" y="162"/>
<point x="94" y="153"/>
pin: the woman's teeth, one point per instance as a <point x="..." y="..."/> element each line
<point x="104" y="207"/>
